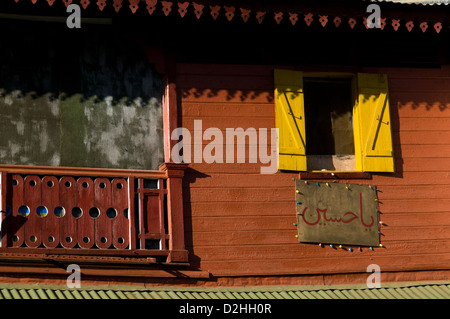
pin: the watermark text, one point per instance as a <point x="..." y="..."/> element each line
<point x="74" y="279"/>
<point x="74" y="19"/>
<point x="374" y="279"/>
<point x="190" y="150"/>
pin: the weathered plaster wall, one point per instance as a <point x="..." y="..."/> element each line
<point x="91" y="100"/>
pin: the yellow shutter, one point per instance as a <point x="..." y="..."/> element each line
<point x="290" y="120"/>
<point x="372" y="125"/>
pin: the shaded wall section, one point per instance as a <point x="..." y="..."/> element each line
<point x="86" y="99"/>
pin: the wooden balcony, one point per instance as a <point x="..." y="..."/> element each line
<point x="92" y="214"/>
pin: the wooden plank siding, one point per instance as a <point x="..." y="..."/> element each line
<point x="239" y="222"/>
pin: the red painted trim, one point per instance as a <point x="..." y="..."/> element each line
<point x="3" y="191"/>
<point x="175" y="218"/>
<point x="131" y="210"/>
<point x="78" y="171"/>
<point x="334" y="176"/>
<point x="170" y="106"/>
<point x="353" y="16"/>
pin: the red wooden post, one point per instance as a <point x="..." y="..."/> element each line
<point x="119" y="201"/>
<point x="18" y="221"/>
<point x="170" y="105"/>
<point x="3" y="190"/>
<point x="162" y="229"/>
<point x="67" y="223"/>
<point x="175" y="222"/>
<point x="50" y="200"/>
<point x="141" y="214"/>
<point x="103" y="224"/>
<point x="85" y="223"/>
<point x="131" y="208"/>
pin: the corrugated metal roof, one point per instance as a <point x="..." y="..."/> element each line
<point x="437" y="290"/>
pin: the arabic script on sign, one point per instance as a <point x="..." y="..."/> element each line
<point x="337" y="213"/>
<point x="346" y="218"/>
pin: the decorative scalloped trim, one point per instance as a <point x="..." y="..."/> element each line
<point x="198" y="9"/>
<point x="229" y="12"/>
<point x="278" y="16"/>
<point x="182" y="8"/>
<point x="134" y="5"/>
<point x="293" y="17"/>
<point x="245" y="13"/>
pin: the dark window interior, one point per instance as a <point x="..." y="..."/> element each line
<point x="328" y="110"/>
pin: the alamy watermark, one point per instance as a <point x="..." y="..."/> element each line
<point x="190" y="150"/>
<point x="74" y="19"/>
<point x="74" y="279"/>
<point x="374" y="279"/>
<point x="373" y="20"/>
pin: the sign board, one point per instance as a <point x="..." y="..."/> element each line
<point x="337" y="213"/>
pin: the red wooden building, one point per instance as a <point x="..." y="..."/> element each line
<point x="89" y="114"/>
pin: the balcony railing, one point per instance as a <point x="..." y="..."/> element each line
<point x="84" y="211"/>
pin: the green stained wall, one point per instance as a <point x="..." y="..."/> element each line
<point x="90" y="100"/>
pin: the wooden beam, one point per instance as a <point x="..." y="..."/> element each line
<point x="334" y="175"/>
<point x="87" y="270"/>
<point x="175" y="218"/>
<point x="81" y="171"/>
<point x="3" y="190"/>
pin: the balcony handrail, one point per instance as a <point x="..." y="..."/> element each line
<point x="83" y="171"/>
<point x="170" y="191"/>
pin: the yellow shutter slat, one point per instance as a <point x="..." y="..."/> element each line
<point x="290" y="120"/>
<point x="373" y="138"/>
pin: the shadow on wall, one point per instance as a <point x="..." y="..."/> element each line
<point x="89" y="99"/>
<point x="441" y="106"/>
<point x="190" y="177"/>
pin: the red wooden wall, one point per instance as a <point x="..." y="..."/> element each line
<point x="239" y="223"/>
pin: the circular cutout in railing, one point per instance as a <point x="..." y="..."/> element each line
<point x="102" y="185"/>
<point x="86" y="240"/>
<point x="51" y="239"/>
<point x="32" y="183"/>
<point x="67" y="184"/>
<point x="59" y="211"/>
<point x="24" y="211"/>
<point x="77" y="212"/>
<point x="103" y="240"/>
<point x="42" y="211"/>
<point x="33" y="238"/>
<point x="94" y="212"/>
<point x="50" y="184"/>
<point x="15" y="238"/>
<point x="15" y="182"/>
<point x="68" y="239"/>
<point x="85" y="184"/>
<point x="111" y="212"/>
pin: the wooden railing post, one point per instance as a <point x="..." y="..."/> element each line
<point x="175" y="173"/>
<point x="3" y="190"/>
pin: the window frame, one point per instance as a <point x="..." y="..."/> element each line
<point x="364" y="86"/>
